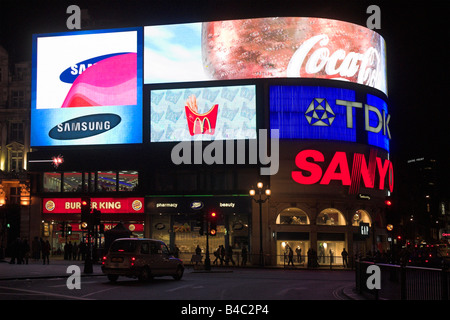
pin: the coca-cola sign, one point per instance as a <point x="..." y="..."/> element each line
<point x="265" y="48"/>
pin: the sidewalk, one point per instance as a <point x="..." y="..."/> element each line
<point x="36" y="269"/>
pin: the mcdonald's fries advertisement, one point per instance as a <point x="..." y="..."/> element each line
<point x="212" y="113"/>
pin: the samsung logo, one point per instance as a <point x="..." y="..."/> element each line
<point x="71" y="73"/>
<point x="85" y="126"/>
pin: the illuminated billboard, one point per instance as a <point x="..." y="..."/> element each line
<point x="212" y="113"/>
<point x="87" y="88"/>
<point x="328" y="113"/>
<point x="352" y="170"/>
<point x="105" y="205"/>
<point x="265" y="48"/>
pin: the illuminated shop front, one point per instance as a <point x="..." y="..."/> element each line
<point x="63" y="214"/>
<point x="176" y="221"/>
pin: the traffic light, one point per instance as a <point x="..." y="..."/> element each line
<point x="388" y="202"/>
<point x="213" y="223"/>
<point x="85" y="210"/>
<point x="62" y="228"/>
<point x="69" y="230"/>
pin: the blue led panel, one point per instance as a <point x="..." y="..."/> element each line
<point x="311" y="112"/>
<point x="380" y="139"/>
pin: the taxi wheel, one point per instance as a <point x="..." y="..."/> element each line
<point x="179" y="273"/>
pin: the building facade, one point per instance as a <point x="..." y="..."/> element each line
<point x="15" y="95"/>
<point x="155" y="148"/>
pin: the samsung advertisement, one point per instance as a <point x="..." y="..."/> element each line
<point x="87" y="88"/>
<point x="317" y="112"/>
<point x="211" y="113"/>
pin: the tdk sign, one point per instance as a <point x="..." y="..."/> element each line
<point x="313" y="112"/>
<point x="85" y="126"/>
<point x="70" y="74"/>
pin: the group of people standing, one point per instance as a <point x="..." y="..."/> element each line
<point x="21" y="251"/>
<point x="75" y="251"/>
<point x="313" y="259"/>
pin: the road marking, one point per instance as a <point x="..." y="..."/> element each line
<point x="92" y="293"/>
<point x="177" y="288"/>
<point x="65" y="285"/>
<point x="45" y="293"/>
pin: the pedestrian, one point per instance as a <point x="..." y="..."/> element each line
<point x="74" y="251"/>
<point x="244" y="255"/>
<point x="230" y="255"/>
<point x="198" y="253"/>
<point x="217" y="255"/>
<point x="14" y="251"/>
<point x="290" y="256"/>
<point x="176" y="252"/>
<point x="331" y="257"/>
<point x="66" y="251"/>
<point x="46" y="252"/>
<point x="344" y="255"/>
<point x="298" y="250"/>
<point x="222" y="254"/>
<point x="309" y="253"/>
<point x="69" y="250"/>
<point x="26" y="251"/>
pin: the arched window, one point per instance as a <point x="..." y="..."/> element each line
<point x="361" y="216"/>
<point x="292" y="216"/>
<point x="331" y="217"/>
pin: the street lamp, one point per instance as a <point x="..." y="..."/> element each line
<point x="258" y="199"/>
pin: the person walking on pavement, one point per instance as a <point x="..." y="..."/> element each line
<point x="230" y="255"/>
<point x="244" y="255"/>
<point x="344" y="255"/>
<point x="46" y="252"/>
<point x="290" y="256"/>
<point x="74" y="251"/>
<point x="26" y="251"/>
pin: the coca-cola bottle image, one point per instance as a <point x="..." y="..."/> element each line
<point x="293" y="47"/>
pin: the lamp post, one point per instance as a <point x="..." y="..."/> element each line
<point x="258" y="199"/>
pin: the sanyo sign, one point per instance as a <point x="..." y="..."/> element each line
<point x="338" y="168"/>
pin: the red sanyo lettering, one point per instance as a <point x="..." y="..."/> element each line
<point x="338" y="169"/>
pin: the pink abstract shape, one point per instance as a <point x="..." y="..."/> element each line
<point x="110" y="82"/>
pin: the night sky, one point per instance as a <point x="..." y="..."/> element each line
<point x="416" y="35"/>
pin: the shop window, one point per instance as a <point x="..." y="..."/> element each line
<point x="106" y="181"/>
<point x="331" y="217"/>
<point x="361" y="216"/>
<point x="299" y="248"/>
<point x="52" y="182"/>
<point x="73" y="182"/>
<point x="292" y="216"/>
<point x="329" y="252"/>
<point x="128" y="180"/>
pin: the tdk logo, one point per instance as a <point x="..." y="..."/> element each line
<point x="70" y="74"/>
<point x="319" y="113"/>
<point x="85" y="126"/>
